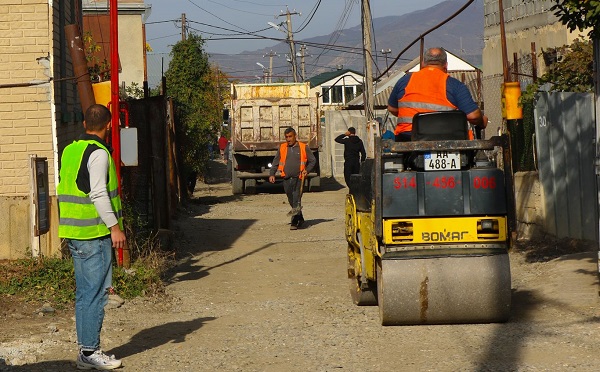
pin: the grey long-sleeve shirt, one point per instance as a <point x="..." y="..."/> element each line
<point x="98" y="168"/>
<point x="292" y="161"/>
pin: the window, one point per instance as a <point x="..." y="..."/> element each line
<point x="349" y="93"/>
<point x="359" y="90"/>
<point x="336" y="94"/>
<point x="325" y="94"/>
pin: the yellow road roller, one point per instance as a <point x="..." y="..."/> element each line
<point x="429" y="224"/>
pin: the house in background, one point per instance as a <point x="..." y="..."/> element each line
<point x="336" y="88"/>
<point x="132" y="39"/>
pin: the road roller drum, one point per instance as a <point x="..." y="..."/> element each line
<point x="445" y="289"/>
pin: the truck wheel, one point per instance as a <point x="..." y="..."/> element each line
<point x="250" y="186"/>
<point x="237" y="184"/>
<point x="314" y="184"/>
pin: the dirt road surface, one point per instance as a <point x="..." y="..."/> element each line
<point x="248" y="294"/>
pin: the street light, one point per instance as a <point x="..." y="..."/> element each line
<point x="275" y="26"/>
<point x="265" y="71"/>
<point x="385" y="53"/>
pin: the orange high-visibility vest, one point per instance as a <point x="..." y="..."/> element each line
<point x="283" y="155"/>
<point x="425" y="92"/>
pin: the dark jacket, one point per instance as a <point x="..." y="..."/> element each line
<point x="354" y="149"/>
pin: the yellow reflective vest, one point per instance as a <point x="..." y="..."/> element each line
<point x="79" y="218"/>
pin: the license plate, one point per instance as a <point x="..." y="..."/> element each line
<point x="442" y="160"/>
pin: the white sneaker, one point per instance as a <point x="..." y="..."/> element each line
<point x="98" y="361"/>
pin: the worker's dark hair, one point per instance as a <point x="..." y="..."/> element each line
<point x="289" y="130"/>
<point x="96" y="117"/>
<point x="435" y="56"/>
<point x="352" y="130"/>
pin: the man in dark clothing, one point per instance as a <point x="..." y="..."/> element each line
<point x="354" y="153"/>
<point x="294" y="160"/>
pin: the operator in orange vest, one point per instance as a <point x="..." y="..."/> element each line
<point x="431" y="89"/>
<point x="294" y="160"/>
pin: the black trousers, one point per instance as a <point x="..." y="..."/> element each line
<point x="351" y="166"/>
<point x="291" y="186"/>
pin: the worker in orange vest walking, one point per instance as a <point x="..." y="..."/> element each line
<point x="431" y="89"/>
<point x="294" y="160"/>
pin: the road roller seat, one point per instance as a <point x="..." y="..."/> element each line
<point x="439" y="126"/>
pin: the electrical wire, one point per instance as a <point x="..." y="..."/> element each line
<point x="313" y="11"/>
<point x="216" y="16"/>
<point x="237" y="10"/>
<point x="469" y="2"/>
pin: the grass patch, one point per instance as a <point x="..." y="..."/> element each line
<point x="39" y="280"/>
<point x="52" y="280"/>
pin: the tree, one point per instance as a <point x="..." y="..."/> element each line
<point x="190" y="81"/>
<point x="572" y="71"/>
<point x="579" y="15"/>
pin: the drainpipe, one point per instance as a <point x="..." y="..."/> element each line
<point x="80" y="67"/>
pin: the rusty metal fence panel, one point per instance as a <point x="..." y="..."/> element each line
<point x="565" y="135"/>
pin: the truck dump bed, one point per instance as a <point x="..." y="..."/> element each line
<point x="260" y="113"/>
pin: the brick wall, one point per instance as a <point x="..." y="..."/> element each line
<point x="32" y="52"/>
<point x="25" y="124"/>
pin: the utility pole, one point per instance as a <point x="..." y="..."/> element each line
<point x="302" y="55"/>
<point x="183" y="26"/>
<point x="290" y="39"/>
<point x="366" y="26"/>
<point x="271" y="54"/>
<point x="385" y="52"/>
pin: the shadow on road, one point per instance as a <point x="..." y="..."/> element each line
<point x="150" y="338"/>
<point x="504" y="349"/>
<point x="189" y="270"/>
<point x="313" y="222"/>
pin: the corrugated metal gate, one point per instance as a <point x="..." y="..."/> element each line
<point x="565" y="147"/>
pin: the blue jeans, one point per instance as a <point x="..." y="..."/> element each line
<point x="93" y="277"/>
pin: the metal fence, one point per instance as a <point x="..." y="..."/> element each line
<point x="565" y="146"/>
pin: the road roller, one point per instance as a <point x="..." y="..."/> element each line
<point x="429" y="225"/>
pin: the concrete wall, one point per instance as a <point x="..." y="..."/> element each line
<point x="529" y="205"/>
<point x="526" y="21"/>
<point x="30" y="53"/>
<point x="334" y="124"/>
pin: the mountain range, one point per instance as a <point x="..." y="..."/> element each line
<point x="463" y="36"/>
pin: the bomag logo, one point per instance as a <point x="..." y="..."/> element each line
<point x="443" y="236"/>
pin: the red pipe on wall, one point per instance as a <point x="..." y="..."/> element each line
<point x="114" y="87"/>
<point x="114" y="98"/>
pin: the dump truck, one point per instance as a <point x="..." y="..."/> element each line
<point x="259" y="114"/>
<point x="429" y="223"/>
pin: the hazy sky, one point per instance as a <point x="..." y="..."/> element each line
<point x="218" y="19"/>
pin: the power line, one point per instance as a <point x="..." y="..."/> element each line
<point x="313" y="11"/>
<point x="216" y="16"/>
<point x="237" y="10"/>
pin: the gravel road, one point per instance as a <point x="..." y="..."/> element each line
<point x="248" y="294"/>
